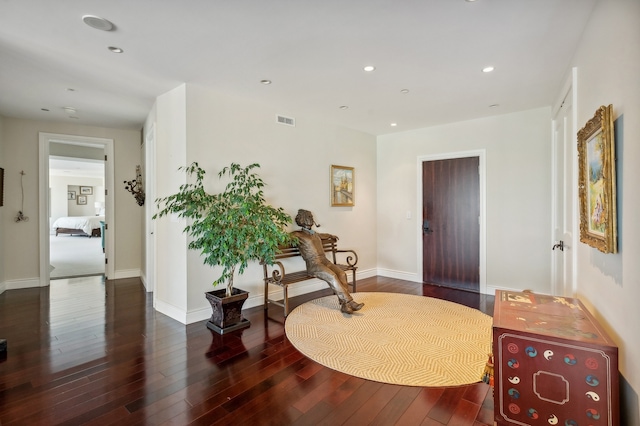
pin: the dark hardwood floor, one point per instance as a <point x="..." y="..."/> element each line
<point x="87" y="352"/>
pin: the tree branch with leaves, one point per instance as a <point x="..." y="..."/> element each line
<point x="230" y="228"/>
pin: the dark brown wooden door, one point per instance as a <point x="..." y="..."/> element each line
<point x="450" y="218"/>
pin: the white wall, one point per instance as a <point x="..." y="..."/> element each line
<point x="61" y="206"/>
<point x="518" y="152"/>
<point x="608" y="62"/>
<point x="295" y="164"/>
<point x="21" y="145"/>
<point x="170" y="289"/>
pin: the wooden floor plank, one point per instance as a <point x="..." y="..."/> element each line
<point x="417" y="411"/>
<point x="85" y="351"/>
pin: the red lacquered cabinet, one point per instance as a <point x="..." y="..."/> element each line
<point x="554" y="364"/>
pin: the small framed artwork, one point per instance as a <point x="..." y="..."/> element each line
<point x="81" y="200"/>
<point x="342" y="186"/>
<point x="86" y="190"/>
<point x="597" y="182"/>
<point x="71" y="195"/>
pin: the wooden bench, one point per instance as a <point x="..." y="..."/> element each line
<point x="276" y="275"/>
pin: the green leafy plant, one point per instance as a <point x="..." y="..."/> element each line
<point x="230" y="228"/>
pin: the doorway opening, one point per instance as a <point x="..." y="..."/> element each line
<point x="71" y="197"/>
<point x="76" y="211"/>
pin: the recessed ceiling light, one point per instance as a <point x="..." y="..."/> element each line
<point x="97" y="22"/>
<point x="404" y="91"/>
<point x="115" y="49"/>
<point x="265" y="82"/>
<point x="44" y="109"/>
<point x="369" y="68"/>
<point x="394" y="124"/>
<point x="70" y="110"/>
<point x="487" y="69"/>
<point x="494" y="105"/>
<point x="344" y="107"/>
<point x="70" y="89"/>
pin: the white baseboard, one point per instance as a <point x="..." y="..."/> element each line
<point x="22" y="283"/>
<point x="143" y="278"/>
<point x="368" y="273"/>
<point x="171" y="311"/>
<point x="492" y="290"/>
<point x="203" y="314"/>
<point x="275" y="293"/>
<point x="410" y="276"/>
<point x="399" y="275"/>
<point x="126" y="273"/>
<point x="35" y="282"/>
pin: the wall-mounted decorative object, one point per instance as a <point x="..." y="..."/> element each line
<point x="342" y="186"/>
<point x="71" y="195"/>
<point x="81" y="200"/>
<point x="135" y="187"/>
<point x="86" y="190"/>
<point x="1" y="187"/>
<point x="20" y="217"/>
<point x="597" y="182"/>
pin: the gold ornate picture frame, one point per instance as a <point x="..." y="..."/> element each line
<point x="597" y="182"/>
<point x="342" y="186"/>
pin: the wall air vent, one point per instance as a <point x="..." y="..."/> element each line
<point x="287" y="121"/>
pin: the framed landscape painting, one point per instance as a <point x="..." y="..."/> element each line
<point x="342" y="186"/>
<point x="597" y="182"/>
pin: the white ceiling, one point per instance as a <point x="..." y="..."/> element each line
<point x="313" y="51"/>
<point x="76" y="167"/>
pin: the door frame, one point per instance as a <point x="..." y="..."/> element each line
<point x="44" y="139"/>
<point x="481" y="154"/>
<point x="569" y="90"/>
<point x="149" y="148"/>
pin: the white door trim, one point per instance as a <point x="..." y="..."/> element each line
<point x="150" y="208"/>
<point x="570" y="93"/>
<point x="481" y="154"/>
<point x="43" y="184"/>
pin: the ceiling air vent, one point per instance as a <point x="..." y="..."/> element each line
<point x="287" y="121"/>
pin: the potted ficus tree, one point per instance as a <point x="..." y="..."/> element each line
<point x="230" y="229"/>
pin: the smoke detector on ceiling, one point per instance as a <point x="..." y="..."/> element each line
<point x="97" y="22"/>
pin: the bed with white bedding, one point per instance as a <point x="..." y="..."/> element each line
<point x="78" y="225"/>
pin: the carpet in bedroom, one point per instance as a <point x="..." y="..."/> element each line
<point x="75" y="255"/>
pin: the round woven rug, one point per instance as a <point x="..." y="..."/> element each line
<point x="395" y="338"/>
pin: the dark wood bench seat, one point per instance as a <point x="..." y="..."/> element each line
<point x="276" y="275"/>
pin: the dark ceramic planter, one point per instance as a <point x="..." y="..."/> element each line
<point x="227" y="311"/>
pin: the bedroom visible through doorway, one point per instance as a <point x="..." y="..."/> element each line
<point x="76" y="148"/>
<point x="76" y="210"/>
